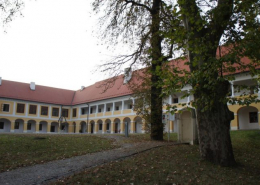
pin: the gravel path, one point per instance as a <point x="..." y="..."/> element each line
<point x="44" y="173"/>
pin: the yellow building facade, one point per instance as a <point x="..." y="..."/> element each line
<point x="29" y="108"/>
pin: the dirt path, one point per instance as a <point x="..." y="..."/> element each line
<point x="44" y="173"/>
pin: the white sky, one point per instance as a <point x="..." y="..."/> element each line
<point x="53" y="45"/>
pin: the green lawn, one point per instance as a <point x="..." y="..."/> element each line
<point x="19" y="150"/>
<point x="179" y="164"/>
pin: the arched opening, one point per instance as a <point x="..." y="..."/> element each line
<point x="127" y="121"/>
<point x="18" y="125"/>
<point x="108" y="126"/>
<point x="83" y="127"/>
<point x="117" y="125"/>
<point x="138" y="124"/>
<point x="54" y="127"/>
<point x="92" y="126"/>
<point x="100" y="126"/>
<point x="31" y="126"/>
<point x="5" y="125"/>
<point x="248" y="118"/>
<point x="43" y="126"/>
<point x="64" y="127"/>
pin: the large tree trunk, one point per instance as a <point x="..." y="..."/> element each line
<point x="156" y="90"/>
<point x="214" y="128"/>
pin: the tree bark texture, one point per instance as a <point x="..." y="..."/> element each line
<point x="156" y="55"/>
<point x="214" y="129"/>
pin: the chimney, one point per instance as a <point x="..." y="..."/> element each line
<point x="32" y="86"/>
<point x="128" y="75"/>
<point x="0" y="80"/>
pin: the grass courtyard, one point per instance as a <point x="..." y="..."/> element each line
<point x="20" y="150"/>
<point x="179" y="164"/>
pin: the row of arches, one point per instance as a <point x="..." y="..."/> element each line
<point x="112" y="126"/>
<point x="115" y="125"/>
<point x="31" y="126"/>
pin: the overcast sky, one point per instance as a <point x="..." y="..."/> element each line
<point x="53" y="44"/>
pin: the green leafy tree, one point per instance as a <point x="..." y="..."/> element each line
<point x="229" y="28"/>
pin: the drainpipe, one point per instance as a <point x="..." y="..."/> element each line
<point x="88" y="116"/>
<point x="60" y="119"/>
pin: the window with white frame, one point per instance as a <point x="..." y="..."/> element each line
<point x="20" y="108"/>
<point x="5" y="107"/>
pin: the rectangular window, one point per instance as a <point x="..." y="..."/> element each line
<point x="29" y="126"/>
<point x="5" y="107"/>
<point x="253" y="118"/>
<point x="32" y="109"/>
<point x="175" y="100"/>
<point x="108" y="109"/>
<point x="130" y="106"/>
<point x="74" y="112"/>
<point x="55" y="112"/>
<point x="91" y="110"/>
<point x="83" y="111"/>
<point x="44" y="111"/>
<point x="20" y="108"/>
<point x="2" y="125"/>
<point x="65" y="112"/>
<point x="99" y="110"/>
<point x="40" y="127"/>
<point x="117" y="107"/>
<point x="16" y="125"/>
<point x="100" y="126"/>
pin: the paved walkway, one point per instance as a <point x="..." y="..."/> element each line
<point x="44" y="173"/>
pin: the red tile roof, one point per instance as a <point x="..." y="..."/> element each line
<point x="95" y="92"/>
<point x="43" y="94"/>
<point x="22" y="91"/>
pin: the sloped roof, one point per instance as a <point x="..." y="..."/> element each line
<point x="44" y="94"/>
<point x="22" y="91"/>
<point x="96" y="91"/>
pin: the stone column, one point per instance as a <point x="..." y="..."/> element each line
<point x="234" y="123"/>
<point x="143" y="126"/>
<point x="49" y="127"/>
<point x="89" y="128"/>
<point x="104" y="129"/>
<point x="171" y="126"/>
<point x="37" y="127"/>
<point x="77" y="127"/>
<point x="122" y="127"/>
<point x="123" y="104"/>
<point x="232" y="89"/>
<point x="96" y="128"/>
<point x="112" y="127"/>
<point x="132" y="127"/>
<point x="25" y="127"/>
<point x="12" y="126"/>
